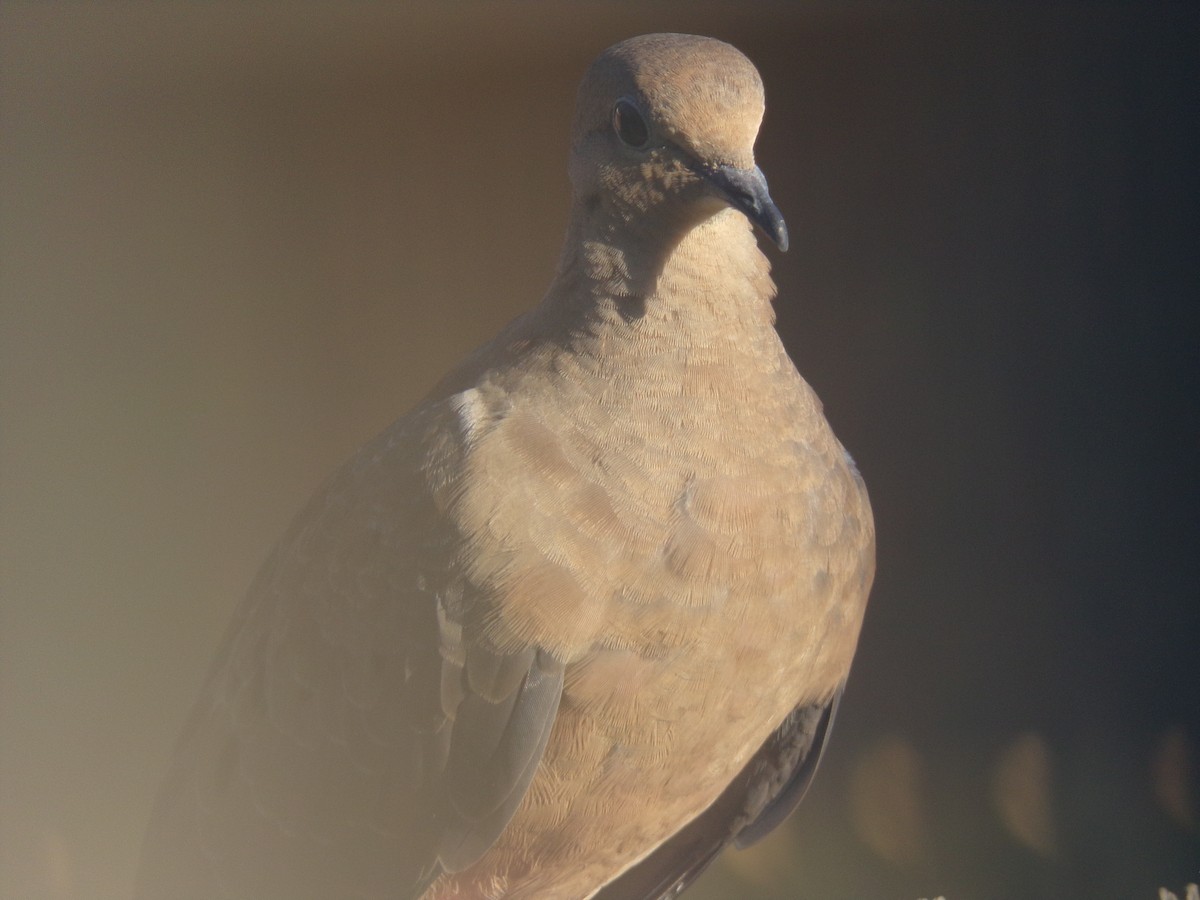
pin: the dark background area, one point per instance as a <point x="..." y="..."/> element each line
<point x="237" y="240"/>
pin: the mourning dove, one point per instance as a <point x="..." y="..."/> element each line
<point x="579" y="620"/>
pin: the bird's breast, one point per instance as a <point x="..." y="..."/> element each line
<point x="587" y="530"/>
<point x="688" y="539"/>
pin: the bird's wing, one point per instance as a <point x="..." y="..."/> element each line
<point x="763" y="794"/>
<point x="351" y="740"/>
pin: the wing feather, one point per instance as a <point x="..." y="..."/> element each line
<point x="349" y="739"/>
<point x="764" y="793"/>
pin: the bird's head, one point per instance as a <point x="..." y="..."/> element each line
<point x="664" y="136"/>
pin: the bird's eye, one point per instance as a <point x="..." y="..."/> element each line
<point x="629" y="125"/>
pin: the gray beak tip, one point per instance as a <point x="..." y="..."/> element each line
<point x="746" y="190"/>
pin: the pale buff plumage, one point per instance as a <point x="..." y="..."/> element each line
<point x="621" y="531"/>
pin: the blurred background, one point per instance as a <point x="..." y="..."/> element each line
<point x="237" y="240"/>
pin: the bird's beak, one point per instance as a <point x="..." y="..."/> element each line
<point x="746" y="190"/>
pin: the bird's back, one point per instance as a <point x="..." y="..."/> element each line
<point x="299" y="772"/>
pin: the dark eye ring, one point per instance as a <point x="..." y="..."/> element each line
<point x="629" y="125"/>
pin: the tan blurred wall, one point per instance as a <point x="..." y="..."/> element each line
<point x="236" y="240"/>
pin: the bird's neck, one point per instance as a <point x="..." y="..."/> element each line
<point x="655" y="315"/>
<point x="676" y="286"/>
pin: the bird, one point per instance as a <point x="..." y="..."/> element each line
<point x="582" y="618"/>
